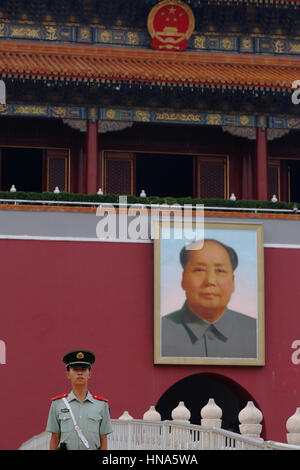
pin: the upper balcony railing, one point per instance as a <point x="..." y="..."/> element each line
<point x="58" y="198"/>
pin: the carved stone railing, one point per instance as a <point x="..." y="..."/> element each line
<point x="169" y="435"/>
<point x="150" y="433"/>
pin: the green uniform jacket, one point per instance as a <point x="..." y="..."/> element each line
<point x="184" y="334"/>
<point x="92" y="416"/>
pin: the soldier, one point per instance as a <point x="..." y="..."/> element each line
<point x="79" y="420"/>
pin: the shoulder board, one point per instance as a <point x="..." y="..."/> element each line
<point x="100" y="398"/>
<point x="64" y="395"/>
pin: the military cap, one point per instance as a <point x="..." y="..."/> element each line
<point x="79" y="358"/>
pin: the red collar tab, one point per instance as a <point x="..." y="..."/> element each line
<point x="64" y="395"/>
<point x="100" y="398"/>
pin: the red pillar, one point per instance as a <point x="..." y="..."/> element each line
<point x="247" y="172"/>
<point x="92" y="157"/>
<point x="81" y="170"/>
<point x="261" y="165"/>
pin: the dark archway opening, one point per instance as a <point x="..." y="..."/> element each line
<point x="294" y="171"/>
<point x="164" y="175"/>
<point x="196" y="390"/>
<point x="22" y="167"/>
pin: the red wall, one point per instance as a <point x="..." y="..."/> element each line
<point x="58" y="296"/>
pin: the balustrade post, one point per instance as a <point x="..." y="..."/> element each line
<point x="125" y="416"/>
<point x="164" y="437"/>
<point x="250" y="418"/>
<point x="293" y="428"/>
<point x="211" y="415"/>
<point x="181" y="413"/>
<point x="129" y="436"/>
<point x="151" y="414"/>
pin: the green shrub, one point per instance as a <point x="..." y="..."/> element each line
<point x="114" y="199"/>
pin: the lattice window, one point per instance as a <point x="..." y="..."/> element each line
<point x="118" y="173"/>
<point x="57" y="169"/>
<point x="212" y="177"/>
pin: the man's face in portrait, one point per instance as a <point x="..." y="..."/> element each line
<point x="208" y="281"/>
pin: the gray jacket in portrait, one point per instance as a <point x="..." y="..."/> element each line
<point x="184" y="334"/>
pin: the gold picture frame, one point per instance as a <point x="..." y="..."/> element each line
<point x="245" y="335"/>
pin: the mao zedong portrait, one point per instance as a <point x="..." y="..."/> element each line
<point x="205" y="326"/>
